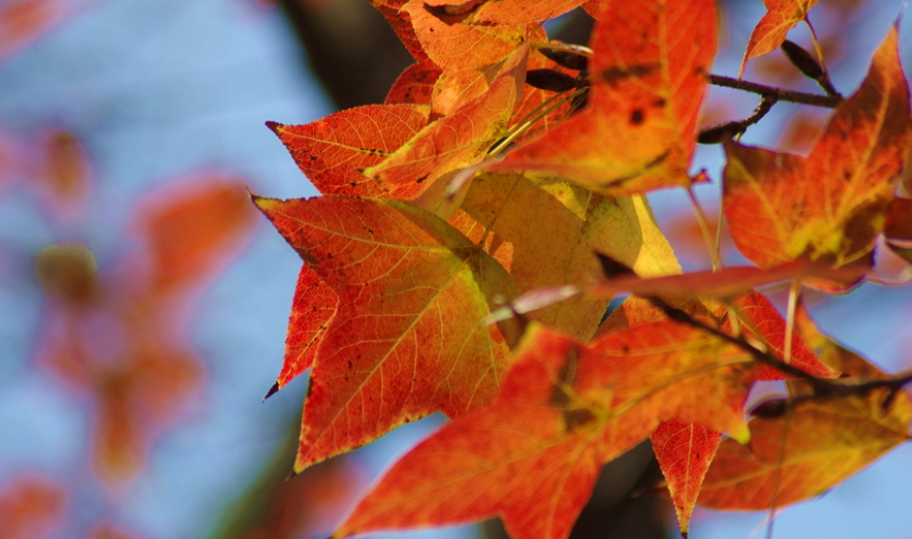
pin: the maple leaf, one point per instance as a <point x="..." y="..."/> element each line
<point x="814" y="445"/>
<point x="805" y="452"/>
<point x="409" y="337"/>
<point x="770" y="32"/>
<point x="450" y="143"/>
<point x="563" y="411"/>
<point x="830" y="205"/>
<point x="334" y="151"/>
<point x="567" y="223"/>
<point x="684" y="450"/>
<point x="638" y="129"/>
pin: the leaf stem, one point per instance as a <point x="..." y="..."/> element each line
<point x="792" y="96"/>
<point x="704" y="228"/>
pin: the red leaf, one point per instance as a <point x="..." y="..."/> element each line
<point x="639" y="128"/>
<point x="414" y="86"/>
<point x="831" y="205"/>
<point x="334" y="151"/>
<point x="770" y="32"/>
<point x="409" y="338"/>
<point x="564" y="410"/>
<point x="684" y="451"/>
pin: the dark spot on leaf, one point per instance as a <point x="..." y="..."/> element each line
<point x="659" y="103"/>
<point x="636" y="118"/>
<point x="625" y="349"/>
<point x="421" y="179"/>
<point x="616" y="73"/>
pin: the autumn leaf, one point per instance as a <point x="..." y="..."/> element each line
<point x="638" y="129"/>
<point x="31" y="506"/>
<point x="313" y="306"/>
<point x="190" y="228"/>
<point x="830" y="205"/>
<point x="564" y="410"/>
<point x="814" y="445"/>
<point x="805" y="452"/>
<point x="462" y="44"/>
<point x="450" y="143"/>
<point x="770" y="32"/>
<point x="334" y="151"/>
<point x="401" y="23"/>
<point x="414" y="86"/>
<point x="554" y="229"/>
<point x="410" y="336"/>
<point x="684" y="452"/>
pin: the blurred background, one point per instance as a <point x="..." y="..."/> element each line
<point x="143" y="302"/>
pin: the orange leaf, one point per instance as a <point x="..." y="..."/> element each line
<point x="410" y="337"/>
<point x="31" y="507"/>
<point x="414" y="86"/>
<point x="639" y="128"/>
<point x="567" y="223"/>
<point x="684" y="451"/>
<point x="401" y="23"/>
<point x="462" y="44"/>
<point x="770" y="32"/>
<point x="334" y="151"/>
<point x="832" y="204"/>
<point x="193" y="227"/>
<point x="805" y="452"/>
<point x="814" y="446"/>
<point x="313" y="306"/>
<point x="450" y="143"/>
<point x="564" y="410"/>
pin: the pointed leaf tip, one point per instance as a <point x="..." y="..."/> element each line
<point x="274" y="126"/>
<point x="272" y="390"/>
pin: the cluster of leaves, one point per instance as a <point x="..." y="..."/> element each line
<point x="474" y="227"/>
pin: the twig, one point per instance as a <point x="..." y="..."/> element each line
<point x="826" y="101"/>
<point x="719" y="133"/>
<point x="823" y="388"/>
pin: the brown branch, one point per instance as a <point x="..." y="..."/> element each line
<point x="826" y="101"/>
<point x="823" y="388"/>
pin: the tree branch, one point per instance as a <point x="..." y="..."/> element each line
<point x="823" y="388"/>
<point x="826" y="101"/>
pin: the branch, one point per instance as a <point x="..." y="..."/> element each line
<point x="826" y="101"/>
<point x="823" y="388"/>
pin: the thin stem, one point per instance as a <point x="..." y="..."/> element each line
<point x="704" y="227"/>
<point x="817" y="48"/>
<point x="824" y="81"/>
<point x="826" y="101"/>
